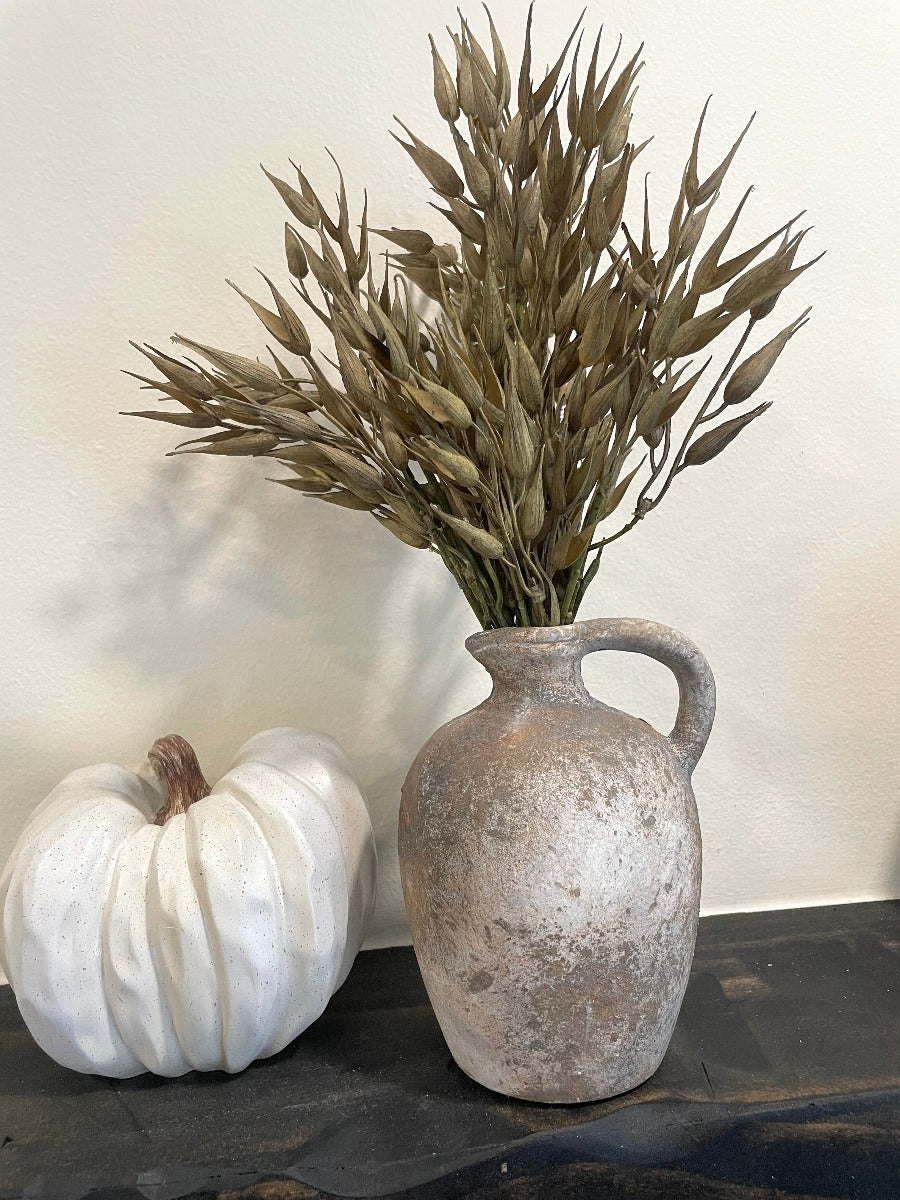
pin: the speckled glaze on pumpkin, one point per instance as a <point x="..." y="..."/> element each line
<point x="550" y="858"/>
<point x="150" y="924"/>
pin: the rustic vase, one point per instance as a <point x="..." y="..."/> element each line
<point x="550" y="859"/>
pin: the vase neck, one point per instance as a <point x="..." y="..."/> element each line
<point x="540" y="666"/>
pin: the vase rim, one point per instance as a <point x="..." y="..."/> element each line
<point x="530" y="635"/>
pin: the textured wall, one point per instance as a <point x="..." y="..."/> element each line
<point x="143" y="594"/>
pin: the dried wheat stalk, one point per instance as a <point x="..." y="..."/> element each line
<point x="505" y="430"/>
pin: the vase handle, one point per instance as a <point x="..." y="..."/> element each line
<point x="696" y="686"/>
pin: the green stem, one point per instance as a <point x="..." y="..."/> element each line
<point x="495" y="583"/>
<point x="645" y="503"/>
<point x="468" y="583"/>
<point x="567" y="610"/>
<point x="520" y="599"/>
<point x="588" y="579"/>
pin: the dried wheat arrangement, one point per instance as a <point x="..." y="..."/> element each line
<point x="496" y="398"/>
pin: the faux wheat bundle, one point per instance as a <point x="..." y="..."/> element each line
<point x="504" y="430"/>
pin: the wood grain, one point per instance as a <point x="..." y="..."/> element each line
<point x="783" y="1080"/>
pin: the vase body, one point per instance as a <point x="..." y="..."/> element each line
<point x="550" y="859"/>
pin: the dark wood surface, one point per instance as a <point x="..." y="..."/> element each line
<point x="783" y="1080"/>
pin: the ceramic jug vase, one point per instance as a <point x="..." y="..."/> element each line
<point x="550" y="859"/>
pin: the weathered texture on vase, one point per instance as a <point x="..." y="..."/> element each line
<point x="550" y="857"/>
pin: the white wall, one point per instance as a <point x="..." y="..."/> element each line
<point x="143" y="594"/>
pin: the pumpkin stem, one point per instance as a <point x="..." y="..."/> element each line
<point x="174" y="760"/>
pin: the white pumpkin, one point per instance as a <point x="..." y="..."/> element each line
<point x="199" y="935"/>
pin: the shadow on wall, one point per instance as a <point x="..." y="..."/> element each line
<point x="225" y="605"/>
<point x="236" y="606"/>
